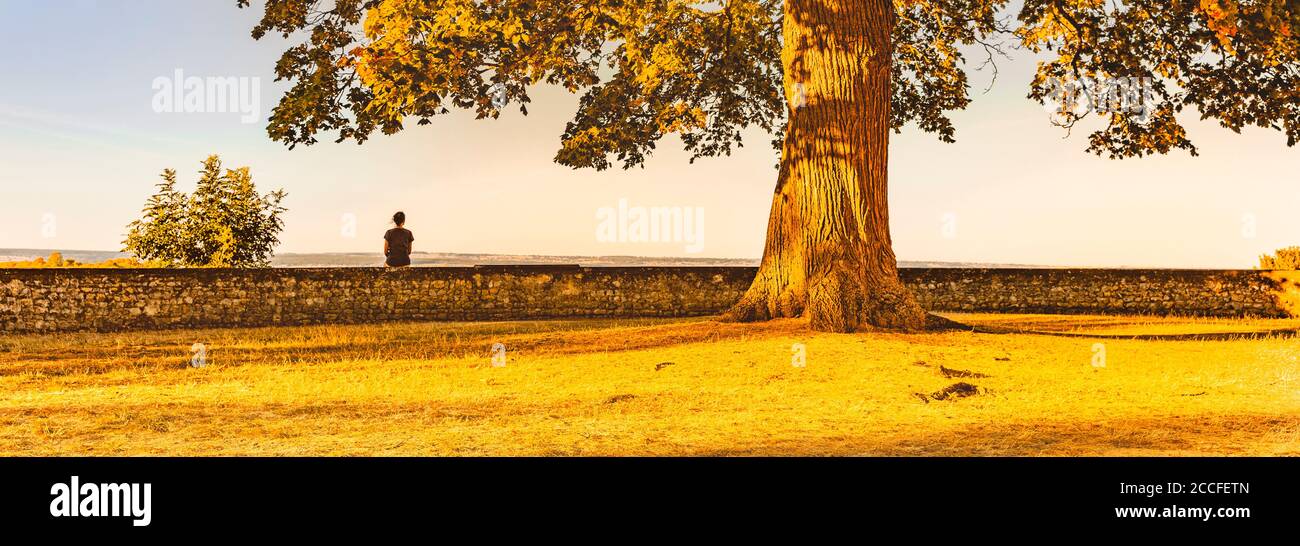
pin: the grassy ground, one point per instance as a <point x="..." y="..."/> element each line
<point x="688" y="387"/>
<point x="1110" y="326"/>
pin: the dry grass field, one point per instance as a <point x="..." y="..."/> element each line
<point x="647" y="387"/>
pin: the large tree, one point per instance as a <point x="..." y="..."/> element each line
<point x="829" y="78"/>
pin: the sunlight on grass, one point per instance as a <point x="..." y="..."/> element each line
<point x="646" y="387"/>
<point x="1132" y="325"/>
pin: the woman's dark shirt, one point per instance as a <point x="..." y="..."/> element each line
<point x="399" y="246"/>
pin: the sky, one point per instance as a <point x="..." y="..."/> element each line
<point x="84" y="136"/>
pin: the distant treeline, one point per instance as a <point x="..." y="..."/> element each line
<point x="56" y="260"/>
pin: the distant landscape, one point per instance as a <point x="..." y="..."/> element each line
<point x="446" y="259"/>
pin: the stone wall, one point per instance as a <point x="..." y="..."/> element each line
<point x="54" y="300"/>
<point x="50" y="300"/>
<point x="1217" y="293"/>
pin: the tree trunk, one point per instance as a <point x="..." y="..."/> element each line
<point x="828" y="255"/>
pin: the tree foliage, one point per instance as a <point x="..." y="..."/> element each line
<point x="706" y="70"/>
<point x="1235" y="61"/>
<point x="223" y="223"/>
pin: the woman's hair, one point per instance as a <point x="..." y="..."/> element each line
<point x="399" y="218"/>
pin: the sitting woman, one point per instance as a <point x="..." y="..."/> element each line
<point x="397" y="243"/>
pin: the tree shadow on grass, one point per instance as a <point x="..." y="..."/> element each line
<point x="406" y="342"/>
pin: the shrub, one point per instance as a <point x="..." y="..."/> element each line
<point x="224" y="223"/>
<point x="1284" y="258"/>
